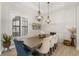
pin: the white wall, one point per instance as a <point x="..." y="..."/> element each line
<point x="63" y="18"/>
<point x="9" y="11"/>
<point x="78" y="27"/>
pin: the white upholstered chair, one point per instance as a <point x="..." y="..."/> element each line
<point x="47" y="45"/>
<point x="53" y="43"/>
<point x="55" y="38"/>
<point x="45" y="48"/>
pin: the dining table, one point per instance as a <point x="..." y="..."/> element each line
<point x="33" y="42"/>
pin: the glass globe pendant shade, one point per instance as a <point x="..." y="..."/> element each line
<point x="48" y="21"/>
<point x="39" y="18"/>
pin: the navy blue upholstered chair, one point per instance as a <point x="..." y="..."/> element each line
<point x="21" y="49"/>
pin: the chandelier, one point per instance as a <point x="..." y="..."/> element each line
<point x="39" y="17"/>
<point x="48" y="17"/>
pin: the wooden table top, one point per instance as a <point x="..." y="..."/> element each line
<point x="33" y="42"/>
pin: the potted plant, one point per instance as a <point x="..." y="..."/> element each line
<point x="73" y="36"/>
<point x="6" y="41"/>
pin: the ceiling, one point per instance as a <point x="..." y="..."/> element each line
<point x="43" y="5"/>
<point x="34" y="5"/>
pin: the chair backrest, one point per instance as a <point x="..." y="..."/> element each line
<point x="52" y="33"/>
<point x="55" y="38"/>
<point x="45" y="46"/>
<point x="51" y="41"/>
<point x="20" y="48"/>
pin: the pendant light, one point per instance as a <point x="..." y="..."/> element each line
<point x="39" y="17"/>
<point x="48" y="17"/>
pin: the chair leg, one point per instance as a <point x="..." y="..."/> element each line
<point x="50" y="52"/>
<point x="55" y="46"/>
<point x="53" y="49"/>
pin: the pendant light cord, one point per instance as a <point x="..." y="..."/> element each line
<point x="39" y="8"/>
<point x="48" y="9"/>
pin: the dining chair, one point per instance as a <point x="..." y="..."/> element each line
<point x="21" y="49"/>
<point x="45" y="47"/>
<point x="54" y="42"/>
<point x="55" y="38"/>
<point x="51" y="45"/>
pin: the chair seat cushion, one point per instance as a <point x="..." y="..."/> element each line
<point x="26" y="49"/>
